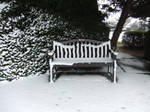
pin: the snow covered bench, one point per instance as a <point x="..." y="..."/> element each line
<point x="82" y="51"/>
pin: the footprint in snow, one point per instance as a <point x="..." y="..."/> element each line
<point x="123" y="108"/>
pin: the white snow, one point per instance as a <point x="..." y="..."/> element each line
<point x="81" y="93"/>
<point x="2" y="5"/>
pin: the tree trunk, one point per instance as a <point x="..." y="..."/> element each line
<point x="123" y="17"/>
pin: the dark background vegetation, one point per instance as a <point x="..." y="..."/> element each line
<point x="27" y="28"/>
<point x="134" y="39"/>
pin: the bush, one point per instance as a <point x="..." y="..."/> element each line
<point x="134" y="39"/>
<point x="26" y="37"/>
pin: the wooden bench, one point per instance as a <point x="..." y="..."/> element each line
<point x="82" y="51"/>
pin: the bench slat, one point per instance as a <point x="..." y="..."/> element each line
<point x="98" y="53"/>
<point x="77" y="51"/>
<point x="69" y="52"/>
<point x="61" y="52"/>
<point x="89" y="46"/>
<point x="85" y="51"/>
<point x="65" y="52"/>
<point x="57" y="51"/>
<point x="73" y="53"/>
<point x="94" y="53"/>
<point x="82" y="51"/>
<point x="102" y="52"/>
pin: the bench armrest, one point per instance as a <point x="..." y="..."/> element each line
<point x="114" y="54"/>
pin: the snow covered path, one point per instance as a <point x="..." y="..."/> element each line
<point x="80" y="93"/>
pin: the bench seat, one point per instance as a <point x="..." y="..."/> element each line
<point x="81" y="60"/>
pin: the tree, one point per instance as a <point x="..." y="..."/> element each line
<point x="123" y="17"/>
<point x="138" y="9"/>
<point x="80" y="13"/>
<point x="137" y="24"/>
<point x="134" y="8"/>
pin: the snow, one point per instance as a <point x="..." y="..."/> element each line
<point x="80" y="93"/>
<point x="2" y="5"/>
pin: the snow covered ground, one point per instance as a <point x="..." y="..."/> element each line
<point x="81" y="93"/>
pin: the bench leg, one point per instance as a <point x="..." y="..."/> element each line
<point x="51" y="74"/>
<point x="114" y="71"/>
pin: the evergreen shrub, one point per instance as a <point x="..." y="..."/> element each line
<point x="26" y="37"/>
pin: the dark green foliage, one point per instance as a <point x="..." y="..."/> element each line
<point x="141" y="9"/>
<point x="84" y="13"/>
<point x="26" y="36"/>
<point x="147" y="46"/>
<point x="70" y="7"/>
<point x="138" y="32"/>
<point x="134" y="39"/>
<point x="4" y="1"/>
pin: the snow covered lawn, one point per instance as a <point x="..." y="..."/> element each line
<point x="80" y="93"/>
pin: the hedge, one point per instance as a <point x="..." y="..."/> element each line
<point x="134" y="39"/>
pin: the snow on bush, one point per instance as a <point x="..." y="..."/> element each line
<point x="26" y="38"/>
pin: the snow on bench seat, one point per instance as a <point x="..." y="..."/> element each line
<point x="81" y="60"/>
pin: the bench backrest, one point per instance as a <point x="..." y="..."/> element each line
<point x="81" y="48"/>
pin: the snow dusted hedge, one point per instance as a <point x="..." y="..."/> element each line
<point x="26" y="38"/>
